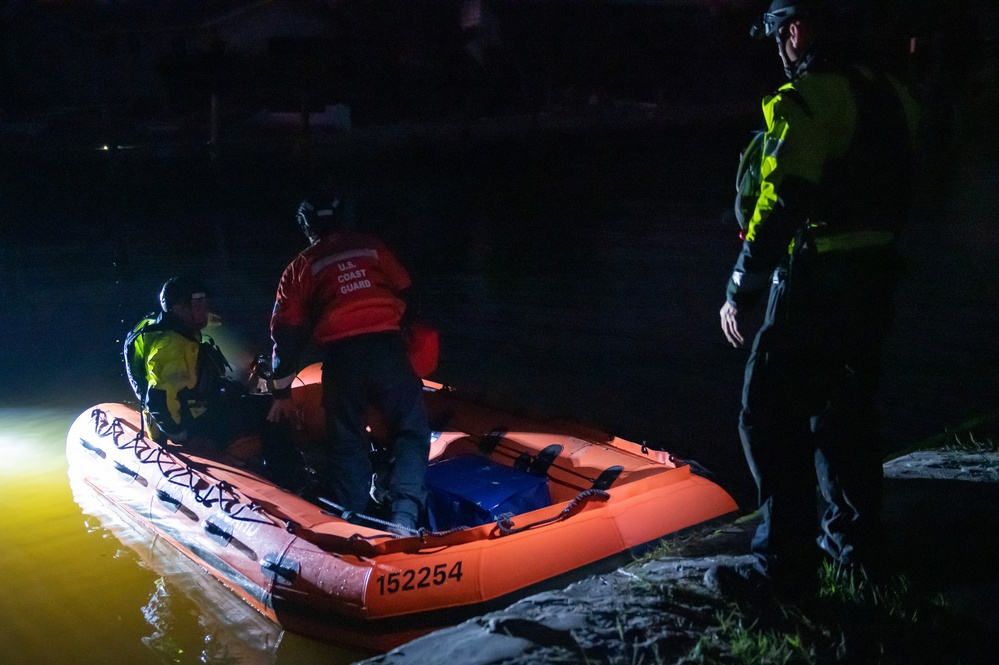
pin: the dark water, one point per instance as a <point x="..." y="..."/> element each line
<point x="577" y="278"/>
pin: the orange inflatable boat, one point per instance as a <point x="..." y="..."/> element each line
<point x="516" y="506"/>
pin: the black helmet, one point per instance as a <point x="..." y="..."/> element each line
<point x="320" y="215"/>
<point x="779" y="13"/>
<point x="181" y="289"/>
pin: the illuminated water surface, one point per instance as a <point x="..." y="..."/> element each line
<point x="81" y="586"/>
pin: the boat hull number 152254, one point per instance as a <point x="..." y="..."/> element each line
<point x="413" y="579"/>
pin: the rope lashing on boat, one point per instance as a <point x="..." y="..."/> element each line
<point x="164" y="461"/>
<point x="222" y="487"/>
<point x="181" y="471"/>
<point x="506" y="526"/>
<point x="101" y="425"/>
<point x="232" y="503"/>
<point x="230" y="500"/>
<point x="116" y="430"/>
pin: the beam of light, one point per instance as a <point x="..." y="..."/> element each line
<point x="33" y="440"/>
<point x="237" y="350"/>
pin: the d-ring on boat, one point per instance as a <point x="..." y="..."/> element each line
<point x="516" y="506"/>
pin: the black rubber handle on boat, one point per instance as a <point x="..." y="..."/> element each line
<point x="94" y="449"/>
<point x="166" y="497"/>
<point x="125" y="471"/>
<point x="174" y="504"/>
<point x="217" y="532"/>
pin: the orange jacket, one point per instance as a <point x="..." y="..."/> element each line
<point x="346" y="284"/>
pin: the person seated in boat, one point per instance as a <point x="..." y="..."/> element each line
<point x="180" y="377"/>
<point x="346" y="294"/>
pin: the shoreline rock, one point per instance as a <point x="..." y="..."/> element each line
<point x="661" y="608"/>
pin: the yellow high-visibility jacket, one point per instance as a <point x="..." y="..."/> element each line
<point x="169" y="372"/>
<point x="837" y="161"/>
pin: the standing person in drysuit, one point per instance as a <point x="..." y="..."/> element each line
<point x="345" y="294"/>
<point x="179" y="377"/>
<point x="835" y="189"/>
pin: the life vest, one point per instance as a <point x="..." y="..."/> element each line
<point x="211" y="370"/>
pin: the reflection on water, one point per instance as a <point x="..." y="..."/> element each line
<point x="81" y="585"/>
<point x="229" y="631"/>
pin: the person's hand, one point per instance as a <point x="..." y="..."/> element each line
<point x="284" y="410"/>
<point x="730" y="324"/>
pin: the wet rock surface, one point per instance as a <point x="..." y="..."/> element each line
<point x="658" y="610"/>
<point x="943" y="465"/>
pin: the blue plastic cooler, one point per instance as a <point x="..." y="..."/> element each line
<point x="470" y="490"/>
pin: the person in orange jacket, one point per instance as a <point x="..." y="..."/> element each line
<point x="346" y="295"/>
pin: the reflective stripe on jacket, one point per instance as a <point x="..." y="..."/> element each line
<point x="833" y="139"/>
<point x="344" y="285"/>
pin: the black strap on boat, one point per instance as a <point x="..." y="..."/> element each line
<point x="695" y="467"/>
<point x="538" y="465"/>
<point x="280" y="569"/>
<point x="220" y="533"/>
<point x="506" y="526"/>
<point x="169" y="500"/>
<point x="523" y="461"/>
<point x="125" y="471"/>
